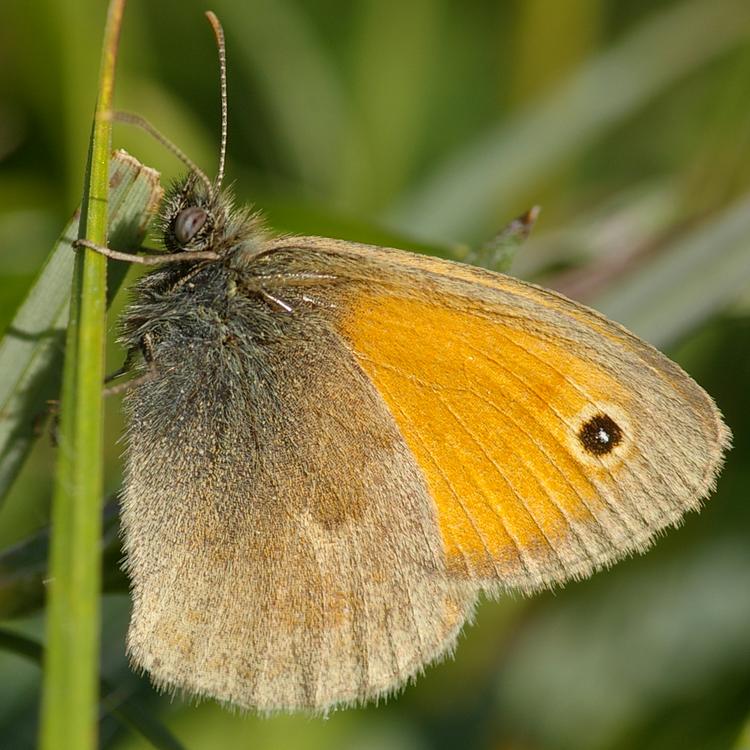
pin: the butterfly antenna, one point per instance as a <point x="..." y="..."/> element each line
<point x="132" y="119"/>
<point x="219" y="34"/>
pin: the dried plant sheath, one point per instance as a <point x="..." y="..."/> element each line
<point x="32" y="346"/>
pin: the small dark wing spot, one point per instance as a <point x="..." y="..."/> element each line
<point x="600" y="435"/>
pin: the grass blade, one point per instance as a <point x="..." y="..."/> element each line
<point x="69" y="694"/>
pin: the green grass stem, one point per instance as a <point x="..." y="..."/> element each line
<point x="69" y="715"/>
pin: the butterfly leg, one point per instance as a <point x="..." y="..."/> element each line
<point x="114" y="390"/>
<point x="52" y="407"/>
<point x="127" y="365"/>
<point x="146" y="260"/>
<point x="147" y="352"/>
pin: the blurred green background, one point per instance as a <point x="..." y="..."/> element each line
<point x="430" y="124"/>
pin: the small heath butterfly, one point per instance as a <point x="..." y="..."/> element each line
<point x="333" y="449"/>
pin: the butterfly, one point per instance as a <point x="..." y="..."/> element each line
<point x="334" y="449"/>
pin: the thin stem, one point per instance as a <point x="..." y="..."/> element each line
<point x="70" y="689"/>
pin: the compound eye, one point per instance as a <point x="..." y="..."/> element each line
<point x="188" y="223"/>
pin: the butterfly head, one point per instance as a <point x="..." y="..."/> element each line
<point x="197" y="213"/>
<point x="199" y="216"/>
<point x="192" y="216"/>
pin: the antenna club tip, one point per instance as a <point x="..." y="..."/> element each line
<point x="213" y="19"/>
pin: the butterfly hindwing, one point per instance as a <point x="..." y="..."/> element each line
<point x="282" y="545"/>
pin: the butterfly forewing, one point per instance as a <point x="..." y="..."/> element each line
<point x="552" y="440"/>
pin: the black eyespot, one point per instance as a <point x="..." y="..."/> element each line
<point x="600" y="435"/>
<point x="188" y="223"/>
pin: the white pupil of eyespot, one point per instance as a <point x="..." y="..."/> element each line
<point x="603" y="436"/>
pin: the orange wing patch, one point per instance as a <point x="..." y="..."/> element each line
<point x="490" y="413"/>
